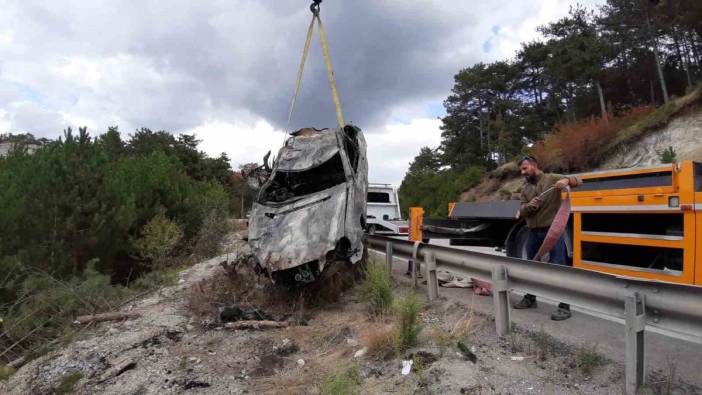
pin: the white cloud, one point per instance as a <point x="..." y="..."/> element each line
<point x="391" y="151"/>
<point x="242" y="142"/>
<point x="225" y="69"/>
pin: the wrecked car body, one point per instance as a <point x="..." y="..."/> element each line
<point x="310" y="212"/>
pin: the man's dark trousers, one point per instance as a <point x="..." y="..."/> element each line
<point x="557" y="255"/>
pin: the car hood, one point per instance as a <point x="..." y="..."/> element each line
<point x="285" y="235"/>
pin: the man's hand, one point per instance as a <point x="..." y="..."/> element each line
<point x="562" y="184"/>
<point x="516" y="215"/>
<point x="534" y="203"/>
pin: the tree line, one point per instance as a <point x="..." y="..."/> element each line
<point x="624" y="55"/>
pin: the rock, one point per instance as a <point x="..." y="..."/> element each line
<point x="360" y="352"/>
<point x="351" y="342"/>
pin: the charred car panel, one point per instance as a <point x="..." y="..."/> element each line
<point x="311" y="209"/>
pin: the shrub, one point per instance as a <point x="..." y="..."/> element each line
<point x="159" y="237"/>
<point x="209" y="237"/>
<point x="588" y="359"/>
<point x="578" y="146"/>
<point x="68" y="381"/>
<point x="668" y="155"/>
<point x="408" y="309"/>
<point x="6" y="372"/>
<point x="156" y="279"/>
<point x="345" y="382"/>
<point x="47" y="307"/>
<point x="376" y="289"/>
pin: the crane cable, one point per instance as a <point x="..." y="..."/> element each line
<point x="314" y="7"/>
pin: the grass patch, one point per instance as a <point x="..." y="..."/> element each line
<point x="68" y="381"/>
<point x="588" y="359"/>
<point x="157" y="279"/>
<point x="380" y="341"/>
<point x="376" y="289"/>
<point x="441" y="338"/>
<point x="408" y="309"/>
<point x="344" y="382"/>
<point x="546" y="345"/>
<point x="6" y="372"/>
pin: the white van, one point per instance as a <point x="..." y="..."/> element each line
<point x="383" y="211"/>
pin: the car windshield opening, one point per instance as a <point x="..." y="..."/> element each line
<point x="290" y="184"/>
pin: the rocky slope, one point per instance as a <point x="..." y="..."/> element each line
<point x="683" y="134"/>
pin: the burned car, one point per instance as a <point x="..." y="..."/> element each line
<point x="309" y="213"/>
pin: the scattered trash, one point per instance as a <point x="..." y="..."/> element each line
<point x="458" y="283"/>
<point x="352" y="342"/>
<point x="181" y="281"/>
<point x="467" y="353"/>
<point x="406" y="367"/>
<point x="300" y="362"/>
<point x="443" y="276"/>
<point x="517" y="358"/>
<point x="360" y="352"/>
<point x="480" y="287"/>
<point x="286" y="349"/>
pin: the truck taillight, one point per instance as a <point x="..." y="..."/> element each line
<point x="404" y="229"/>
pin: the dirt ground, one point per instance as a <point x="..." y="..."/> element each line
<point x="178" y="346"/>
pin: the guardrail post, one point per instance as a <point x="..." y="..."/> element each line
<point x="500" y="296"/>
<point x="432" y="281"/>
<point x="388" y="257"/>
<point x="414" y="264"/>
<point x="635" y="322"/>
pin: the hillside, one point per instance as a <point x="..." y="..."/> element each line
<point x="677" y="125"/>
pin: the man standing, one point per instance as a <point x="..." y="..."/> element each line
<point x="541" y="199"/>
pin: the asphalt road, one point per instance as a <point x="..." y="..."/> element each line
<point x="583" y="328"/>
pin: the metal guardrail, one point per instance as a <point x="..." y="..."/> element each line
<point x="675" y="309"/>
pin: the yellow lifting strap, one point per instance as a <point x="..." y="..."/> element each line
<point x="327" y="62"/>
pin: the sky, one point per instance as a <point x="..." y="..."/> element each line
<point x="225" y="70"/>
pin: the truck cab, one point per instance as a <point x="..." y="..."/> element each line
<point x="383" y="214"/>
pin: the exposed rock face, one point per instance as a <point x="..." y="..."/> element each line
<point x="684" y="134"/>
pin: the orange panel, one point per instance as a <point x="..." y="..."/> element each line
<point x="697" y="244"/>
<point x="655" y="200"/>
<point x="633" y="241"/>
<point x="625" y="203"/>
<point x="416" y="221"/>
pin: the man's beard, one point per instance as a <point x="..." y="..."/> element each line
<point x="531" y="178"/>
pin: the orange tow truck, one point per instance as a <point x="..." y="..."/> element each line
<point x="639" y="222"/>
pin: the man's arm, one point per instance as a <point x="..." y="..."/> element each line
<point x="564" y="181"/>
<point x="528" y="207"/>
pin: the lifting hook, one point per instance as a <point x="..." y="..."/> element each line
<point x="314" y="7"/>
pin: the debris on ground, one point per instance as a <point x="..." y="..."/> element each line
<point x="406" y="367"/>
<point x="232" y="314"/>
<point x="467" y="353"/>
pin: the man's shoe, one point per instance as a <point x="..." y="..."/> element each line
<point x="525" y="304"/>
<point x="560" y="315"/>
